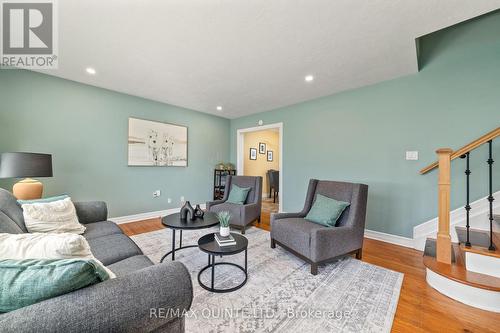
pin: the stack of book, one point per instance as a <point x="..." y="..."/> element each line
<point x="224" y="241"/>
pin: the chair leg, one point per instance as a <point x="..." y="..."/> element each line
<point x="359" y="254"/>
<point x="314" y="269"/>
<point x="273" y="244"/>
<point x="258" y="219"/>
<point x="243" y="230"/>
<point x="274" y="200"/>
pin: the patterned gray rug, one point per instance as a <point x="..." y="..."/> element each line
<point x="280" y="294"/>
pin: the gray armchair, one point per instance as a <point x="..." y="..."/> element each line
<point x="317" y="244"/>
<point x="241" y="215"/>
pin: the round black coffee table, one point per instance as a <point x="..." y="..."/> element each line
<point x="175" y="222"/>
<point x="209" y="245"/>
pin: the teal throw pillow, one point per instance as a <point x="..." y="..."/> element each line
<point x="28" y="281"/>
<point x="326" y="211"/>
<point x="43" y="200"/>
<point x="238" y="195"/>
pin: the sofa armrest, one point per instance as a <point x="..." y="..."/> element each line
<point x="334" y="241"/>
<point x="137" y="302"/>
<point x="214" y="203"/>
<point x="92" y="211"/>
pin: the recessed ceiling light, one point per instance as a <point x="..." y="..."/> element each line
<point x="90" y="71"/>
<point x="309" y="78"/>
<point x="219" y="108"/>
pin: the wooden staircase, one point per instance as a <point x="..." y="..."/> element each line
<point x="468" y="271"/>
<point x="457" y="270"/>
<point x="456" y="280"/>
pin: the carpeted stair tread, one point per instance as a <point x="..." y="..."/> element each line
<point x="480" y="241"/>
<point x="477" y="237"/>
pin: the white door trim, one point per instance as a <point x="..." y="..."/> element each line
<point x="240" y="153"/>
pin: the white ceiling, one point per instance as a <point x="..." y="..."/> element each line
<point x="248" y="56"/>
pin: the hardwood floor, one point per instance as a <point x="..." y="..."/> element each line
<point x="420" y="308"/>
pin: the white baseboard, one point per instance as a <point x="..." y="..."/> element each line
<point x="147" y="215"/>
<point x="389" y="238"/>
<point x="377" y="235"/>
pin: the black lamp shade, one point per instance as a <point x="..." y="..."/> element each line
<point x="22" y="165"/>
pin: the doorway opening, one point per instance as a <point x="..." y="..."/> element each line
<point x="260" y="153"/>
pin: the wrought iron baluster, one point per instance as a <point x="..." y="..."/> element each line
<point x="467" y="205"/>
<point x="490" y="197"/>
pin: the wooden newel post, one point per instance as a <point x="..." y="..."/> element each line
<point x="443" y="245"/>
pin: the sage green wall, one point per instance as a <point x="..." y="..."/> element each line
<point x="85" y="128"/>
<point x="359" y="135"/>
<point x="362" y="135"/>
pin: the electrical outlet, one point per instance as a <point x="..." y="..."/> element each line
<point x="156" y="194"/>
<point x="169" y="200"/>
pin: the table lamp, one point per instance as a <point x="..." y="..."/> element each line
<point x="26" y="165"/>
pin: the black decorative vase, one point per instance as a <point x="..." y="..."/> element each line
<point x="198" y="212"/>
<point x="187" y="209"/>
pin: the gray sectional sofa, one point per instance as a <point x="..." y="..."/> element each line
<point x="130" y="303"/>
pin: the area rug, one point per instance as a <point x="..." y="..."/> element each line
<point x="281" y="295"/>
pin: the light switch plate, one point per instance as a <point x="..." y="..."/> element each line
<point x="412" y="155"/>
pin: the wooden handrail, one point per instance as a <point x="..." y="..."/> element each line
<point x="467" y="148"/>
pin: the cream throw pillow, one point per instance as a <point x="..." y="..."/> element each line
<point x="46" y="246"/>
<point x="55" y="217"/>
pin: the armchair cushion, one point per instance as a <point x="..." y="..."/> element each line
<point x="326" y="211"/>
<point x="295" y="233"/>
<point x="238" y="195"/>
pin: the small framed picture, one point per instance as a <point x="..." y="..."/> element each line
<point x="262" y="148"/>
<point x="269" y="155"/>
<point x="253" y="153"/>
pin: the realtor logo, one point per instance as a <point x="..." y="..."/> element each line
<point x="28" y="34"/>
